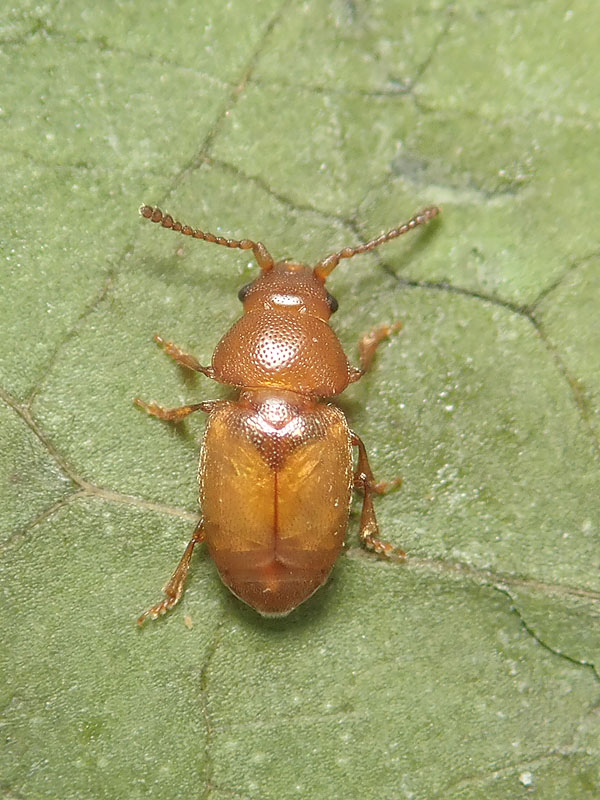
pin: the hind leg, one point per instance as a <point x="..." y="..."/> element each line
<point x="174" y="588"/>
<point x="369" y="529"/>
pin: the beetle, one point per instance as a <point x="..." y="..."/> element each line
<point x="276" y="469"/>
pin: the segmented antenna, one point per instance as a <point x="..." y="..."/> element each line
<point x="327" y="265"/>
<point x="261" y="254"/>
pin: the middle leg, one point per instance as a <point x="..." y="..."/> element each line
<point x="176" y="414"/>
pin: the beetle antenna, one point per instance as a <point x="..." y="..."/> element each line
<point x="327" y="265"/>
<point x="263" y="258"/>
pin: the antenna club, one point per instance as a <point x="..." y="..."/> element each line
<point x="428" y="213"/>
<point x="152" y="213"/>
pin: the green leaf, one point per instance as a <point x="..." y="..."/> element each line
<point x="468" y="672"/>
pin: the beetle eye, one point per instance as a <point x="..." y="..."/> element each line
<point x="243" y="292"/>
<point x="332" y="303"/>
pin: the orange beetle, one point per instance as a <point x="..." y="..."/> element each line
<point x="276" y="471"/>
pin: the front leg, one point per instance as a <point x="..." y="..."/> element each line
<point x="185" y="359"/>
<point x="367" y="347"/>
<point x="369" y="529"/>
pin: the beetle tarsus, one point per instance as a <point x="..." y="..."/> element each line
<point x="384" y="549"/>
<point x="369" y="529"/>
<point x="369" y="343"/>
<point x="176" y="584"/>
<point x="383" y="487"/>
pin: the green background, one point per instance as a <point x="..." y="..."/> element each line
<point x="469" y="671"/>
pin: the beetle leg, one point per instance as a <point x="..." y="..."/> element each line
<point x="383" y="487"/>
<point x="367" y="346"/>
<point x="174" y="588"/>
<point x="369" y="529"/>
<point x="175" y="414"/>
<point x="185" y="359"/>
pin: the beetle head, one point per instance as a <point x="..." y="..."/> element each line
<point x="289" y="286"/>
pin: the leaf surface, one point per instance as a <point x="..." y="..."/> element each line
<point x="468" y="672"/>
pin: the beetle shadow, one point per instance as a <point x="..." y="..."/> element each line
<point x="189" y="378"/>
<point x="177" y="268"/>
<point x="349" y="406"/>
<point x="307" y="615"/>
<point x="410" y="252"/>
<point x="181" y="430"/>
